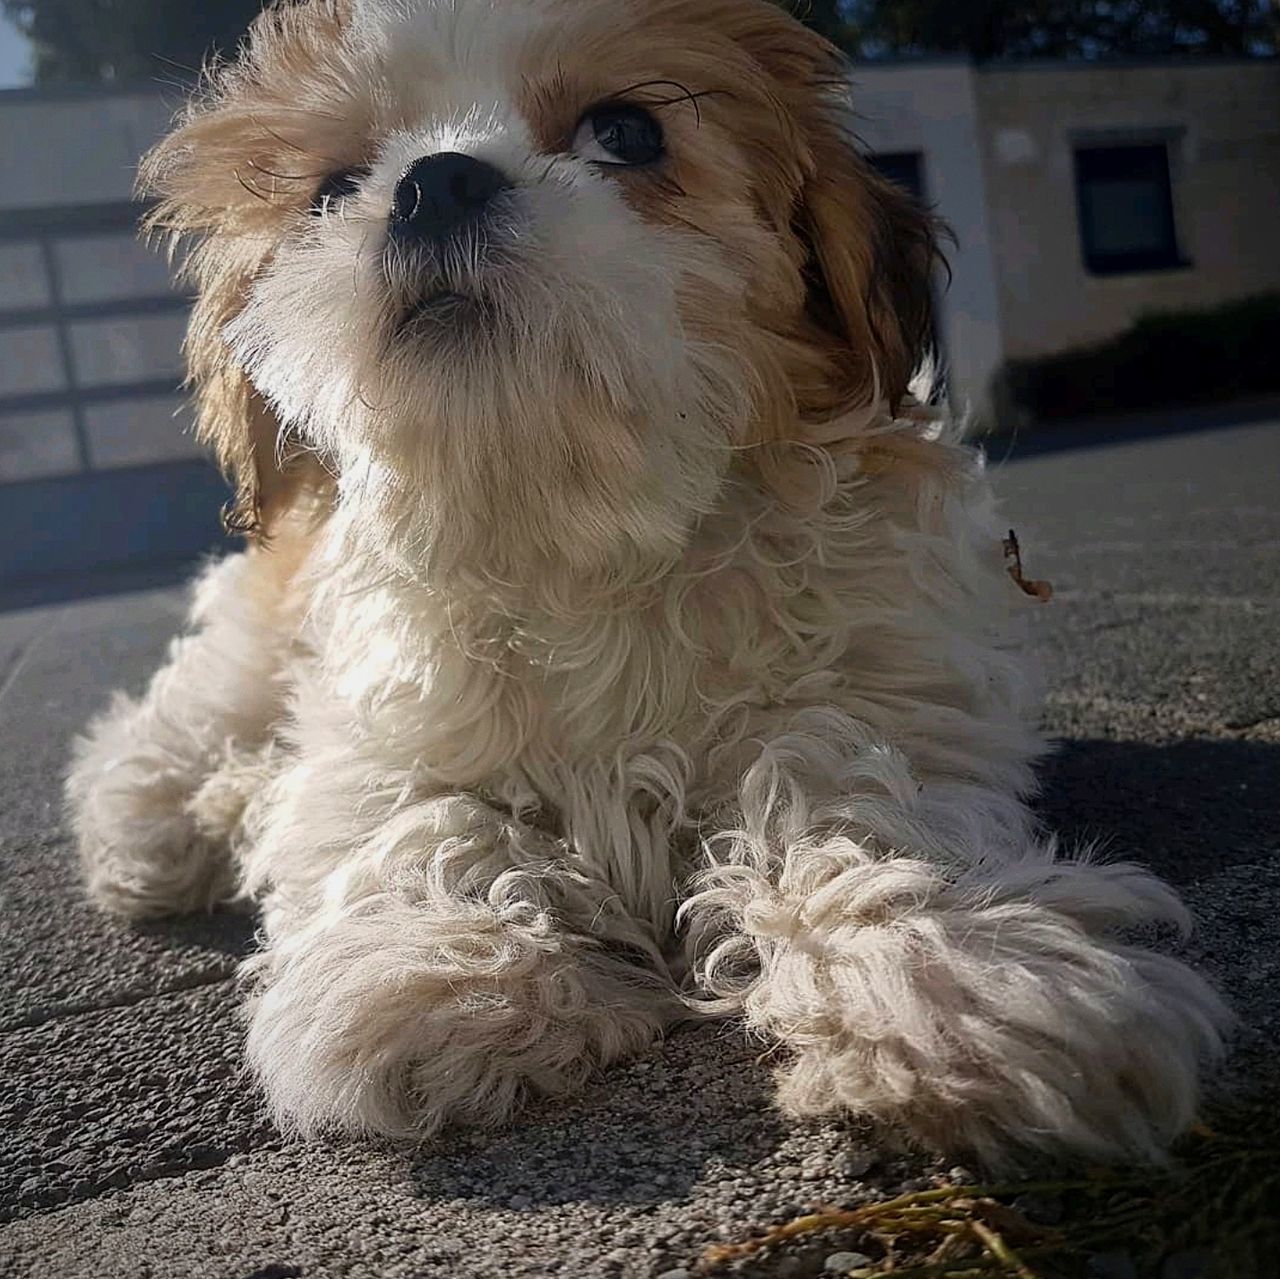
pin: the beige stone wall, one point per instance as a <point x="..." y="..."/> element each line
<point x="1223" y="121"/>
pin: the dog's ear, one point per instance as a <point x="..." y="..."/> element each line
<point x="872" y="253"/>
<point x="870" y="248"/>
<point x="231" y="418"/>
<point x="209" y="205"/>
<point x="236" y="423"/>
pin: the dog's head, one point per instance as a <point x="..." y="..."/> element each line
<point x="529" y="275"/>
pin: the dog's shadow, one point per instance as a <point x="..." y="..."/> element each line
<point x="646" y="1132"/>
<point x="226" y="932"/>
<point x="1186" y="809"/>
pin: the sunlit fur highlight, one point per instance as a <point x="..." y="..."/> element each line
<point x="622" y="643"/>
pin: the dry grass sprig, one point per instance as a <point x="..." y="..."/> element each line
<point x="1222" y="1196"/>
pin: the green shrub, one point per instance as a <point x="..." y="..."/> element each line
<point x="1164" y="359"/>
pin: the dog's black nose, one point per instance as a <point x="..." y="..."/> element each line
<point x="441" y="193"/>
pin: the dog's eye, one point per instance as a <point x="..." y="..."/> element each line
<point x="619" y="134"/>
<point x="336" y="188"/>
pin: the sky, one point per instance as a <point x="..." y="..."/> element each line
<point x="14" y="57"/>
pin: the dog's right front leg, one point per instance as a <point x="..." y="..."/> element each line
<point x="454" y="962"/>
<point x="157" y="785"/>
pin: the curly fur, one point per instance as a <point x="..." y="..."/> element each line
<point x="648" y="655"/>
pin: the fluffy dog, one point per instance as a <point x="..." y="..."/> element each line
<point x="617" y="639"/>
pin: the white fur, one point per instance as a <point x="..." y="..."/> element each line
<point x="547" y="750"/>
<point x="157" y="786"/>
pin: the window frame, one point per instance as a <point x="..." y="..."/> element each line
<point x="1092" y="152"/>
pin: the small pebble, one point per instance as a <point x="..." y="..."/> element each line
<point x="678" y="1273"/>
<point x="840" y="1263"/>
<point x="855" y="1163"/>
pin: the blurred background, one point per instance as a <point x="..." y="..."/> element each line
<point x="1111" y="171"/>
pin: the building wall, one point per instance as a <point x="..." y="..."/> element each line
<point x="76" y="147"/>
<point x="90" y="323"/>
<point x="931" y="108"/>
<point x="1222" y="124"/>
<point x="91" y="327"/>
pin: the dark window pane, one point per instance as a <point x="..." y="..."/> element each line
<point x="1126" y="208"/>
<point x="902" y="167"/>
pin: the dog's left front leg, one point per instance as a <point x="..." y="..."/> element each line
<point x="932" y="964"/>
<point x="455" y="962"/>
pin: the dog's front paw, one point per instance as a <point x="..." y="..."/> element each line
<point x="399" y="1017"/>
<point x="998" y="1029"/>
<point x="1003" y="1061"/>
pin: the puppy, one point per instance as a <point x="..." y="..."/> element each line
<point x="617" y="640"/>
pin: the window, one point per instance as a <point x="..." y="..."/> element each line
<point x="902" y="167"/>
<point x="1126" y="209"/>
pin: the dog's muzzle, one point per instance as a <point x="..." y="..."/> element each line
<point x="438" y="236"/>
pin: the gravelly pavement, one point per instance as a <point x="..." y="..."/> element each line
<point x="130" y="1145"/>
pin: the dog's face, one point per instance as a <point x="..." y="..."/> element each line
<point x="529" y="275"/>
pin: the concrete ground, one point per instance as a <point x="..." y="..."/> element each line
<point x="130" y="1144"/>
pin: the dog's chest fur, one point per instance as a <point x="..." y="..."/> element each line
<point x="618" y="717"/>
